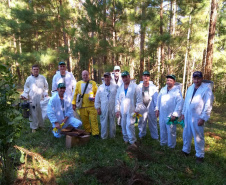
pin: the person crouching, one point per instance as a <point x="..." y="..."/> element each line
<point x="60" y="112"/>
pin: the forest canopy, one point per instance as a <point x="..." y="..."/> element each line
<point x="163" y="37"/>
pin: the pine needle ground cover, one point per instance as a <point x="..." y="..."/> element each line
<point x="111" y="161"/>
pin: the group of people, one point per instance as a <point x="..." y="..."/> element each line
<point x="119" y="101"/>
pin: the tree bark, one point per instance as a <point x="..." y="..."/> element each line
<point x="142" y="38"/>
<point x="212" y="28"/>
<point x="186" y="55"/>
<point x="162" y="43"/>
<point x="65" y="40"/>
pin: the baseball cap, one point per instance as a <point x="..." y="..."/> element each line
<point x="197" y="74"/>
<point x="146" y="73"/>
<point x="124" y="73"/>
<point x="61" y="85"/>
<point x="116" y="68"/>
<point x="62" y="63"/>
<point x="172" y="77"/>
<point x="107" y="74"/>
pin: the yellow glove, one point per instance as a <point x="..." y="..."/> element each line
<point x="56" y="130"/>
<point x="136" y="115"/>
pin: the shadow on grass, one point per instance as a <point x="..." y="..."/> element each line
<point x="99" y="158"/>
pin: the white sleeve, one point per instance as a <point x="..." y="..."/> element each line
<point x="97" y="102"/>
<point x="26" y="89"/>
<point x="179" y="105"/>
<point x="207" y="105"/>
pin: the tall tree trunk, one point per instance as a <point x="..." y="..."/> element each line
<point x="104" y="34"/>
<point x="142" y="38"/>
<point x="159" y="64"/>
<point x="162" y="43"/>
<point x="186" y="55"/>
<point x="203" y="61"/>
<point x="192" y="68"/>
<point x="212" y="28"/>
<point x="65" y="39"/>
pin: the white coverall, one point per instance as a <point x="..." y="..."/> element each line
<point x="119" y="83"/>
<point x="194" y="109"/>
<point x="169" y="104"/>
<point x="128" y="104"/>
<point x="35" y="89"/>
<point x="57" y="113"/>
<point x="105" y="100"/>
<point x="148" y="113"/>
<point x="69" y="81"/>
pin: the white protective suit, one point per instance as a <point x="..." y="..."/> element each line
<point x="105" y="100"/>
<point x="56" y="114"/>
<point x="169" y="103"/>
<point x="35" y="89"/>
<point x="119" y="83"/>
<point x="194" y="109"/>
<point x="70" y="83"/>
<point x="128" y="104"/>
<point x="148" y="113"/>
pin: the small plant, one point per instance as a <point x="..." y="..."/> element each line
<point x="9" y="123"/>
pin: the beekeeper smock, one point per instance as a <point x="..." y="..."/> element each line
<point x="35" y="89"/>
<point x="87" y="111"/>
<point x="127" y="102"/>
<point x="105" y="100"/>
<point x="198" y="107"/>
<point x="67" y="79"/>
<point x="58" y="109"/>
<point x="147" y="110"/>
<point x="169" y="103"/>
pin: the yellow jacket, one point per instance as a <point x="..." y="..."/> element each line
<point x="80" y="86"/>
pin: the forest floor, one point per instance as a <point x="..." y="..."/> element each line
<point x="111" y="161"/>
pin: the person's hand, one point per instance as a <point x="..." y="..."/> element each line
<point x="57" y="125"/>
<point x="23" y="98"/>
<point x="74" y="107"/>
<point x="182" y="117"/>
<point x="201" y="122"/>
<point x="157" y="113"/>
<point x="117" y="114"/>
<point x="172" y="118"/>
<point x="64" y="120"/>
<point x="99" y="111"/>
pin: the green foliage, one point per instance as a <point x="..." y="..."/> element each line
<point x="10" y="120"/>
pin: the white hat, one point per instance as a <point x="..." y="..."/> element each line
<point x="116" y="68"/>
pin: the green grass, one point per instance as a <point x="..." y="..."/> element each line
<point x="165" y="167"/>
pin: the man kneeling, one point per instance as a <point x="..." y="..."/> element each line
<point x="60" y="111"/>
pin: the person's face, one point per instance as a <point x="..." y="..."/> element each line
<point x="146" y="78"/>
<point x="197" y="81"/>
<point x="126" y="79"/>
<point x="35" y="71"/>
<point x="170" y="82"/>
<point x="107" y="80"/>
<point x="62" y="68"/>
<point x="61" y="91"/>
<point x="116" y="73"/>
<point x="85" y="76"/>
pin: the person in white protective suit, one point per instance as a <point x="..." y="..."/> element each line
<point x="196" y="110"/>
<point x="117" y="80"/>
<point x="60" y="111"/>
<point x="105" y="105"/>
<point x="116" y="77"/>
<point x="169" y="104"/>
<point x="128" y="102"/>
<point x="35" y="90"/>
<point x="63" y="76"/>
<point x="149" y="93"/>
